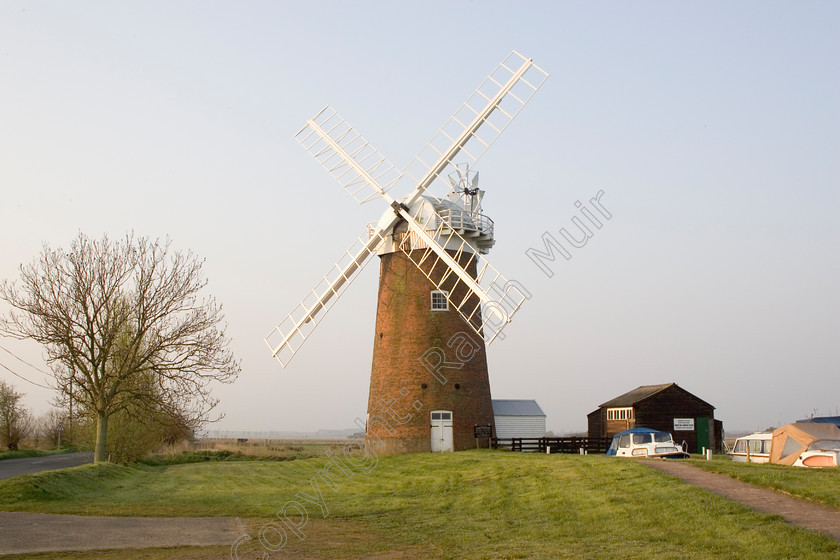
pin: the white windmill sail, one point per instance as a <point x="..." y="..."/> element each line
<point x="366" y="174"/>
<point x="287" y="337"/>
<point x="347" y="156"/>
<point x="359" y="168"/>
<point x="481" y="119"/>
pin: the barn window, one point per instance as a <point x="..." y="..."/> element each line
<point x="625" y="413"/>
<point x="439" y="301"/>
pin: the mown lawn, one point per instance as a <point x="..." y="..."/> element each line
<point x="817" y="485"/>
<point x="477" y="505"/>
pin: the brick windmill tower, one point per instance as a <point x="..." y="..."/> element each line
<point x="439" y="300"/>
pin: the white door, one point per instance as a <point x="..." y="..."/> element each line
<point x="442" y="431"/>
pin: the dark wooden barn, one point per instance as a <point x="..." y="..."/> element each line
<point x="667" y="407"/>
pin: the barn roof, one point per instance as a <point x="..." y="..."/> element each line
<point x="638" y="394"/>
<point x="513" y="407"/>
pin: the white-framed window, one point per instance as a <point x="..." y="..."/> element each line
<point x="625" y="413"/>
<point x="439" y="301"/>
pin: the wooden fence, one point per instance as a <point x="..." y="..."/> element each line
<point x="556" y="444"/>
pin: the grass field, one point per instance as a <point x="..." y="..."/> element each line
<point x="269" y="448"/>
<point x="477" y="505"/>
<point x="244" y="449"/>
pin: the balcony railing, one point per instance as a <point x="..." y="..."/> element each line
<point x="467" y="221"/>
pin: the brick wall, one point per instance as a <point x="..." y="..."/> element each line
<point x="402" y="391"/>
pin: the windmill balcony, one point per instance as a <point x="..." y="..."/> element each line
<point x="467" y="223"/>
<point x="455" y="229"/>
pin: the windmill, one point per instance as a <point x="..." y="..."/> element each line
<point x="440" y="301"/>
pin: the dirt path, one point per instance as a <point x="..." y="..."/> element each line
<point x="795" y="511"/>
<point x="41" y="532"/>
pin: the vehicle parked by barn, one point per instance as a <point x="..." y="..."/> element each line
<point x="645" y="442"/>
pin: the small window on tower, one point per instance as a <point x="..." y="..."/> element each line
<point x="439" y="301"/>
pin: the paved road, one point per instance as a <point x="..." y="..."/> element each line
<point x="37" y="532"/>
<point x="24" y="465"/>
<point x="22" y="533"/>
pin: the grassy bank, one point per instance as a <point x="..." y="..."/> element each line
<point x="477" y="505"/>
<point x="817" y="485"/>
<point x="20" y="453"/>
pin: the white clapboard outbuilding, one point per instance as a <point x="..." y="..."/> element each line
<point x="518" y="419"/>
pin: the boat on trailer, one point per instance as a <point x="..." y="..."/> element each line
<point x="645" y="442"/>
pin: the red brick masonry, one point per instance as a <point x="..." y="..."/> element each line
<point x="403" y="391"/>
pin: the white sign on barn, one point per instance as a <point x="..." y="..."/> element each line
<point x="683" y="424"/>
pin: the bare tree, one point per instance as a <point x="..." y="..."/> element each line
<point x="50" y="424"/>
<point x="15" y="421"/>
<point x="123" y="323"/>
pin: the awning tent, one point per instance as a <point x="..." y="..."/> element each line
<point x="791" y="440"/>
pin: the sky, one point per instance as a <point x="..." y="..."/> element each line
<point x="712" y="130"/>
